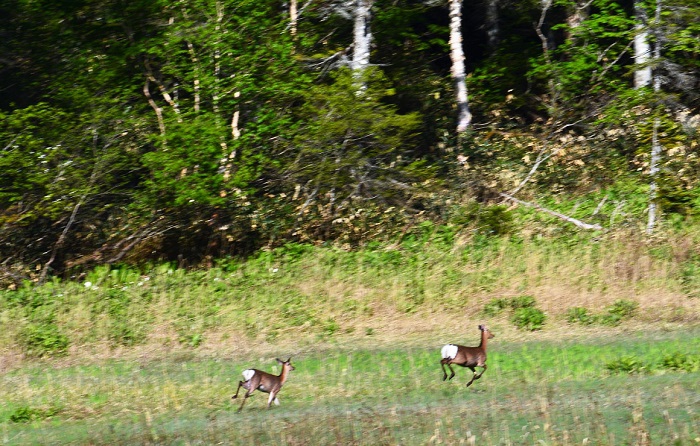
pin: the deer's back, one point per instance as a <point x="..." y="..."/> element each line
<point x="470" y="356"/>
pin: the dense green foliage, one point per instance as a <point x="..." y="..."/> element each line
<point x="194" y="130"/>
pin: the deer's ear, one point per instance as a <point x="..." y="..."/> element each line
<point x="289" y="359"/>
<point x="279" y="360"/>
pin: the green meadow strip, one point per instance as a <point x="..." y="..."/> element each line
<point x="533" y="392"/>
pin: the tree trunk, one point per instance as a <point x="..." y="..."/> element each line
<point x="362" y="36"/>
<point x="655" y="158"/>
<point x="293" y="17"/>
<point x="464" y="116"/>
<point x="492" y="29"/>
<point x="642" y="51"/>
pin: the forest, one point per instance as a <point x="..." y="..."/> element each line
<point x="195" y="130"/>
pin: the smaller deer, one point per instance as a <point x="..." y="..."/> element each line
<point x="265" y="382"/>
<point x="470" y="357"/>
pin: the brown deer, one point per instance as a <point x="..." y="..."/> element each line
<point x="265" y="382"/>
<point x="470" y="357"/>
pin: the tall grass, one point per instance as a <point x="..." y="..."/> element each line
<point x="308" y="293"/>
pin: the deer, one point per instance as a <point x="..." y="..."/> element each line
<point x="470" y="357"/>
<point x="265" y="382"/>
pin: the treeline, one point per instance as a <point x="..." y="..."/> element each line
<point x="198" y="129"/>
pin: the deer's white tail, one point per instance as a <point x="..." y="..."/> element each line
<point x="248" y="374"/>
<point x="449" y="351"/>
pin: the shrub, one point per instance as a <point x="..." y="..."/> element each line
<point x="43" y="339"/>
<point x="680" y="362"/>
<point x="529" y="318"/>
<point x="623" y="308"/>
<point x="614" y="315"/>
<point x="580" y="315"/>
<point x="619" y="310"/>
<point x="525" y="315"/>
<point x="488" y="220"/>
<point x="627" y="365"/>
<point x="522" y="302"/>
<point x="26" y="414"/>
<point x="495" y="306"/>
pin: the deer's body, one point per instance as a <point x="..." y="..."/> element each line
<point x="265" y="382"/>
<point x="469" y="357"/>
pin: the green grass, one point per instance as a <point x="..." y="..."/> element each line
<point x="534" y="392"/>
<point x="152" y="355"/>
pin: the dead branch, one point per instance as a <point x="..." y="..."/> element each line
<point x="559" y="215"/>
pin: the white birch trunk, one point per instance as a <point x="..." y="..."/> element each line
<point x="642" y="50"/>
<point x="655" y="158"/>
<point x="293" y="17"/>
<point x="362" y="39"/>
<point x="464" y="116"/>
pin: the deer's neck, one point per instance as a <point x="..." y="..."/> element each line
<point x="283" y="375"/>
<point x="484" y="340"/>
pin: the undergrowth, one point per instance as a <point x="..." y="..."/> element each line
<point x="322" y="292"/>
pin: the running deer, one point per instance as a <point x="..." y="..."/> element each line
<point x="470" y="357"/>
<point x="264" y="382"/>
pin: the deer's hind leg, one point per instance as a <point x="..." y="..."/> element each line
<point x="250" y="385"/>
<point x="442" y="364"/>
<point x="240" y="384"/>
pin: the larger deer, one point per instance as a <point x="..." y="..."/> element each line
<point x="470" y="357"/>
<point x="265" y="382"/>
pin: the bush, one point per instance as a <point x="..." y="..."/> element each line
<point x="619" y="310"/>
<point x="528" y="318"/>
<point x="627" y="365"/>
<point x="495" y="306"/>
<point x="615" y="314"/>
<point x="580" y="315"/>
<point x="522" y="302"/>
<point x="488" y="220"/>
<point x="43" y="339"/>
<point x="524" y="314"/>
<point x="26" y="414"/>
<point x="680" y="362"/>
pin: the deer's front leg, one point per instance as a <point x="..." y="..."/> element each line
<point x="271" y="398"/>
<point x="473" y="376"/>
<point x="483" y="369"/>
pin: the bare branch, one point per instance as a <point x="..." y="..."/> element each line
<point x="559" y="215"/>
<point x="158" y="110"/>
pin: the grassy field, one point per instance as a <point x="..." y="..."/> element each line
<point x="601" y="386"/>
<point x="597" y="342"/>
